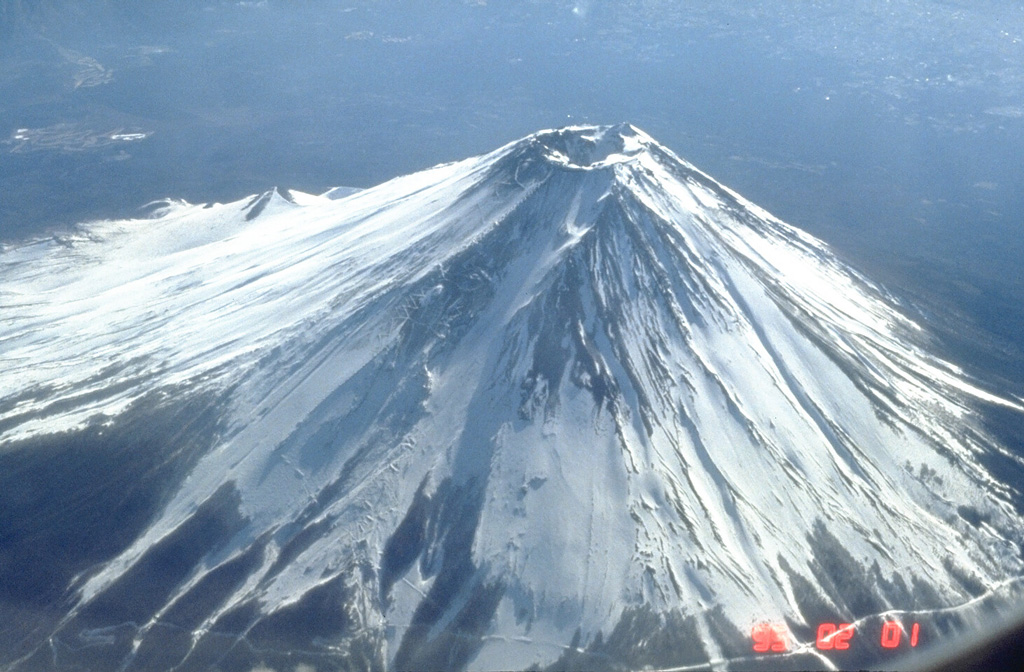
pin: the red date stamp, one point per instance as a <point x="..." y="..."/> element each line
<point x="775" y="637"/>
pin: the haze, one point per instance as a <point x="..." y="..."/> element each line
<point x="892" y="129"/>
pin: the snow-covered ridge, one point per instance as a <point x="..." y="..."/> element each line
<point x="503" y="401"/>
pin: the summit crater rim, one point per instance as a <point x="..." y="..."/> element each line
<point x="592" y="147"/>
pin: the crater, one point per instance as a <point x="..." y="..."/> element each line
<point x="589" y="147"/>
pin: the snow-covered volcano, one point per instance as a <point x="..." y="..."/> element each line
<point x="571" y="403"/>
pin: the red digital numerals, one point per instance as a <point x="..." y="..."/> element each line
<point x="774" y="637"/>
<point x="832" y="637"/>
<point x="770" y="637"/>
<point x="892" y="632"/>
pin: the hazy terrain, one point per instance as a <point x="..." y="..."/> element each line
<point x="891" y="129"/>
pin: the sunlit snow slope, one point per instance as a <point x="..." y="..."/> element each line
<point x="571" y="403"/>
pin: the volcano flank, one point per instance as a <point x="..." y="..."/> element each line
<point x="571" y="404"/>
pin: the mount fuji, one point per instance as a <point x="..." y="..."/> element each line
<point x="571" y="404"/>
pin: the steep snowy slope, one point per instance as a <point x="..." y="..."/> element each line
<point x="568" y="403"/>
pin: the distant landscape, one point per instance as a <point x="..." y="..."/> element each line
<point x="893" y="130"/>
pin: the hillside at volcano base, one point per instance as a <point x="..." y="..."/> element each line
<point x="571" y="404"/>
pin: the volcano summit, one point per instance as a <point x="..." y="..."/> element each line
<point x="570" y="404"/>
